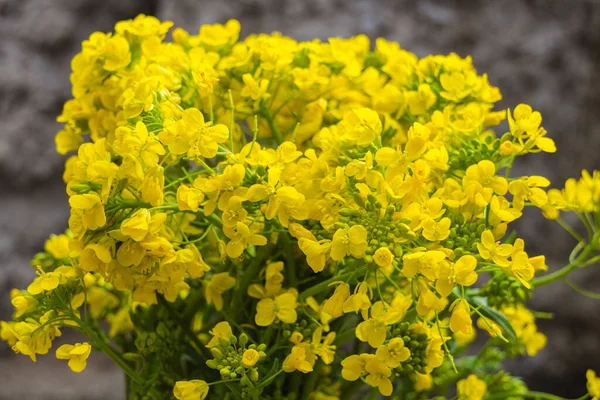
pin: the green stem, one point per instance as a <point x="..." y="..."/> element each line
<point x="222" y="381"/>
<point x="249" y="273"/>
<point x="564" y="271"/>
<point x="267" y="114"/>
<point x="289" y="260"/>
<point x="232" y="119"/>
<point x="198" y="346"/>
<point x="570" y="230"/>
<point x="533" y="395"/>
<point x="322" y="286"/>
<point x="107" y="349"/>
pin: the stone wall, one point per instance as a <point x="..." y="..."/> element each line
<point x="544" y="52"/>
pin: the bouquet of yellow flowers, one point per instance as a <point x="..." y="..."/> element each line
<point x="273" y="219"/>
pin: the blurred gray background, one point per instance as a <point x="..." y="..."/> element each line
<point x="545" y="53"/>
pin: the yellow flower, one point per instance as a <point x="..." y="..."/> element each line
<point x="461" y="272"/>
<point x="325" y="350"/>
<point x="421" y="100"/>
<point x="216" y="286"/>
<point x="250" y="358"/>
<point x="353" y="367"/>
<point x="67" y="140"/>
<point x="384" y="258"/>
<point x="143" y="26"/>
<point x="287" y="203"/>
<point x="525" y="121"/>
<point x="352" y="241"/>
<point x="360" y="300"/>
<point x="136" y="226"/>
<point x="435" y="353"/>
<point x="429" y="302"/>
<point x="217" y="35"/>
<point x="58" y="246"/>
<point x="234" y="212"/>
<point x="393" y="353"/>
<point x="48" y="281"/>
<point x="520" y="267"/>
<point x="190" y="390"/>
<point x="283" y="308"/>
<point x="492" y="328"/>
<point x="34" y="337"/>
<point x="153" y="186"/>
<point x="593" y="384"/>
<point x="456" y="85"/>
<point x="460" y="321"/>
<point x="315" y="251"/>
<point x="116" y="53"/>
<point x="76" y="354"/>
<point x="482" y="182"/>
<point x="427" y="263"/>
<point x="204" y="136"/>
<point x="436" y="230"/>
<point x="241" y="238"/>
<point x="489" y="249"/>
<point x="374" y="329"/>
<point x="334" y="306"/>
<point x="471" y="388"/>
<point x="379" y="376"/>
<point x="362" y="126"/>
<point x="423" y="382"/>
<point x="189" y="198"/>
<point x="255" y="89"/>
<point x="45" y="282"/>
<point x="22" y="302"/>
<point x="523" y="322"/>
<point x="299" y="359"/>
<point x="92" y="210"/>
<point x="7" y="333"/>
<point x="528" y="188"/>
<point x="296" y="338"/>
<point x="221" y="330"/>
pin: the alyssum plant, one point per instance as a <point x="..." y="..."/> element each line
<point x="273" y="219"/>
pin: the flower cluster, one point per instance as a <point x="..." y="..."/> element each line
<point x="292" y="213"/>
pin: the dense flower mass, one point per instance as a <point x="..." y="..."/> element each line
<point x="306" y="219"/>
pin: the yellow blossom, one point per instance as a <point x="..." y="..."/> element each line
<point x="92" y="210"/>
<point x="190" y="390"/>
<point x="489" y="249"/>
<point x="593" y="384"/>
<point x="394" y="353"/>
<point x="299" y="359"/>
<point x="250" y="358"/>
<point x="77" y="355"/>
<point x="283" y="308"/>
<point x="384" y="258"/>
<point x="362" y="126"/>
<point x="221" y="330"/>
<point x="471" y="388"/>
<point x="216" y="286"/>
<point x="460" y="321"/>
<point x="379" y="376"/>
<point x="352" y="241"/>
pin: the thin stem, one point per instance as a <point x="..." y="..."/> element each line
<point x="267" y="114"/>
<point x="231" y="121"/>
<point x="570" y="230"/>
<point x="322" y="286"/>
<point x="222" y="381"/>
<point x="112" y="354"/>
<point x="564" y="271"/>
<point x="437" y="322"/>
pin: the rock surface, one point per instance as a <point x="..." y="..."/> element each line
<point x="545" y="53"/>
